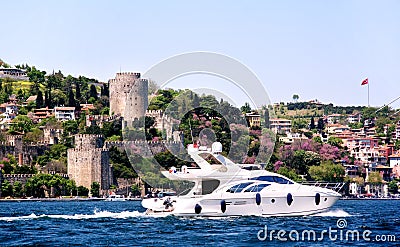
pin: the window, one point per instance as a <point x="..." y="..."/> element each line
<point x="256" y="188"/>
<point x="274" y="179"/>
<point x="238" y="187"/>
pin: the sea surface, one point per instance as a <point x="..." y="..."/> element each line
<point x="100" y="223"/>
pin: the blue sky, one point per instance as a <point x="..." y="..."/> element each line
<point x="316" y="49"/>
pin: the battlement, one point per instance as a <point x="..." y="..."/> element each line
<point x="136" y="74"/>
<point x="14" y="137"/>
<point x="104" y="149"/>
<point x="109" y="144"/>
<point x="4" y="144"/>
<point x="52" y="129"/>
<point x="5" y="176"/>
<point x="89" y="136"/>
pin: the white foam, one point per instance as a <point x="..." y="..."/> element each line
<point x="334" y="213"/>
<point x="95" y="215"/>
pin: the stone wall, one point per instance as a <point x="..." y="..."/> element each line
<point x="52" y="136"/>
<point x="89" y="162"/>
<point x="23" y="153"/>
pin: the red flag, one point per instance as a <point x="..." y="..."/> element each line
<point x="364" y="82"/>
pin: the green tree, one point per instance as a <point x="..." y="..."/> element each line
<point x="21" y="124"/>
<point x="312" y="123"/>
<point x="296" y="97"/>
<point x="71" y="98"/>
<point x="37" y="77"/>
<point x="93" y="92"/>
<point x="335" y="141"/>
<point x="289" y="173"/>
<point x="6" y="189"/>
<point x="135" y="189"/>
<point x="36" y="135"/>
<point x="374" y="178"/>
<point x="317" y="139"/>
<point x="83" y="191"/>
<point x="368" y="113"/>
<point x="327" y="172"/>
<point x="17" y="189"/>
<point x="95" y="189"/>
<point x="39" y="99"/>
<point x="321" y="124"/>
<point x="393" y="187"/>
<point x="246" y="108"/>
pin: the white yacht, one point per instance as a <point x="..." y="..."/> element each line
<point x="223" y="188"/>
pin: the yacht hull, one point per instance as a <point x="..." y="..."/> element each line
<point x="301" y="205"/>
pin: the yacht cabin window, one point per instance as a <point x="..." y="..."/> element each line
<point x="238" y="187"/>
<point x="273" y="179"/>
<point x="256" y="188"/>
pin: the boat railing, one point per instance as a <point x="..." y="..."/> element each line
<point x="336" y="186"/>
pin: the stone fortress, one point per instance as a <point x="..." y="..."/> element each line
<point x="128" y="90"/>
<point x="89" y="161"/>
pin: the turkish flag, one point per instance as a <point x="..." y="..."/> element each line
<point x="364" y="82"/>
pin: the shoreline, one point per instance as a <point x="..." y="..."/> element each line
<point x="61" y="199"/>
<point x="95" y="199"/>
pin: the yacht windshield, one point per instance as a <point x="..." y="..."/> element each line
<point x="238" y="188"/>
<point x="256" y="188"/>
<point x="274" y="179"/>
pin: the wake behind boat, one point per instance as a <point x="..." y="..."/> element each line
<point x="224" y="188"/>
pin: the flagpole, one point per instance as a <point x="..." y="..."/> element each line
<point x="368" y="94"/>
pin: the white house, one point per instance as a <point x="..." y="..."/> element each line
<point x="64" y="113"/>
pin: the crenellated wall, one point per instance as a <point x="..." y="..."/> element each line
<point x="89" y="162"/>
<point x="128" y="89"/>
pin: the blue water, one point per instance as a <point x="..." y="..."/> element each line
<point x="124" y="224"/>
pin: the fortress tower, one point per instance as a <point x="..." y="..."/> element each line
<point x="89" y="162"/>
<point x="128" y="90"/>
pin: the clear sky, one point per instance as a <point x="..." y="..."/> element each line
<point x="316" y="49"/>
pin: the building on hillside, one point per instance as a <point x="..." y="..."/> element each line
<point x="368" y="156"/>
<point x="87" y="108"/>
<point x="369" y="123"/>
<point x="281" y="126"/>
<point x="291" y="137"/>
<point x="370" y="132"/>
<point x="385" y="151"/>
<point x="394" y="159"/>
<point x="362" y="143"/>
<point x="41" y="113"/>
<point x="8" y="111"/>
<point x="345" y="136"/>
<point x="354" y="118"/>
<point x="336" y="128"/>
<point x="253" y="119"/>
<point x="333" y="118"/>
<point x="13" y="73"/>
<point x="397" y="131"/>
<point x="89" y="162"/>
<point x="64" y="113"/>
<point x="30" y="99"/>
<point x="384" y="170"/>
